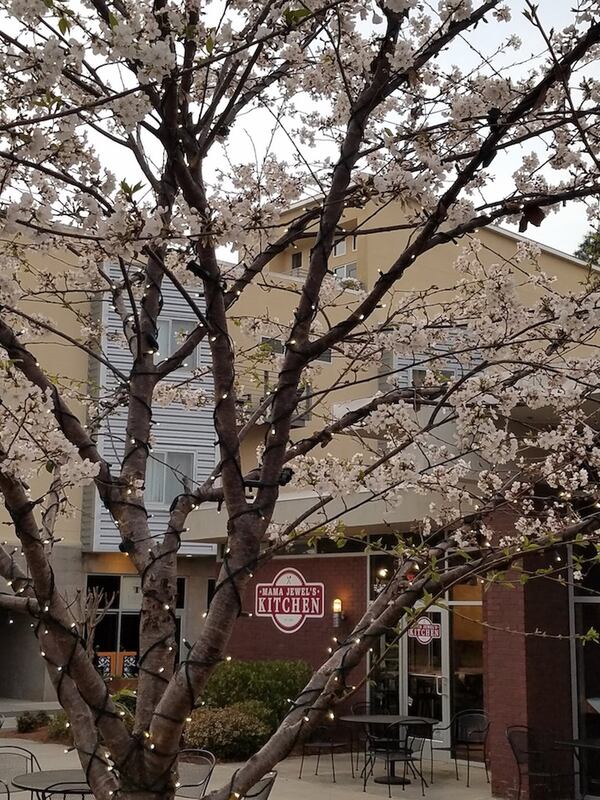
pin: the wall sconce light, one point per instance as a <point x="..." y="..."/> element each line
<point x="337" y="612"/>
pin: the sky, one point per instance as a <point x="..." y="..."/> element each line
<point x="562" y="230"/>
<point x="565" y="229"/>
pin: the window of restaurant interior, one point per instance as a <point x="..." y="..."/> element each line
<point x="463" y="635"/>
<point x="116" y="636"/>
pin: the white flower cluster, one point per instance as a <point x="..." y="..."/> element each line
<point x="30" y="438"/>
<point x="165" y="394"/>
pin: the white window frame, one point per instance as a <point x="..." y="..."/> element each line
<point x="153" y="460"/>
<point x="339" y="248"/>
<point x="193" y="359"/>
<point x="341" y="272"/>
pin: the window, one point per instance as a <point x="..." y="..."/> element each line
<point x="345" y="271"/>
<point x="166" y="473"/>
<point x="339" y="249"/>
<point x="325" y="356"/>
<point x="116" y="636"/>
<point x="297" y="260"/>
<point x="171" y="335"/>
<point x="274" y="345"/>
<point x="441" y="375"/>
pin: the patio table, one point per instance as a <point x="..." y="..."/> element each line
<point x="59" y="781"/>
<point x="73" y="781"/>
<point x="389" y="719"/>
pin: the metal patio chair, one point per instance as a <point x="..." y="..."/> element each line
<point x="322" y="741"/>
<point x="262" y="788"/>
<point x="535" y="759"/>
<point x="358" y="733"/>
<point x="63" y="791"/>
<point x="201" y="766"/>
<point x="469" y="731"/>
<point x="15" y="761"/>
<point x="400" y="743"/>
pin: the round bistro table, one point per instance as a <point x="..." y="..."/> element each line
<point x="59" y="781"/>
<point x="72" y="781"/>
<point x="389" y="719"/>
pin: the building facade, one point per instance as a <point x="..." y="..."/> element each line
<point x="476" y="649"/>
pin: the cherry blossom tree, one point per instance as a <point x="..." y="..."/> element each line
<point x="137" y="140"/>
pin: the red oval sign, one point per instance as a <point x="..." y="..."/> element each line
<point x="289" y="600"/>
<point x="425" y="631"/>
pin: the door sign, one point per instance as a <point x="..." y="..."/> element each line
<point x="425" y="631"/>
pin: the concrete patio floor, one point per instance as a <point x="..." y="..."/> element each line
<point x="319" y="787"/>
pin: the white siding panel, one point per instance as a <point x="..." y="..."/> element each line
<point x="176" y="428"/>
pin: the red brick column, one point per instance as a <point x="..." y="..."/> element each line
<point x="527" y="677"/>
<point x="505" y="671"/>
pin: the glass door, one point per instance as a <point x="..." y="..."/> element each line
<point x="425" y="669"/>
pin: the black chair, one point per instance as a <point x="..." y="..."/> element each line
<point x="62" y="791"/>
<point x="399" y="743"/>
<point x="468" y="731"/>
<point x="262" y="788"/>
<point x="358" y="733"/>
<point x="202" y="764"/>
<point x="536" y="759"/>
<point x="15" y="761"/>
<point x="322" y="741"/>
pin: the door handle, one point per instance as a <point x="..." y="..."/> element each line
<point x="438" y="685"/>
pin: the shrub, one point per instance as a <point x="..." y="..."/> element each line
<point x="59" y="728"/>
<point x="31" y="721"/>
<point x="270" y="682"/>
<point x="227" y="732"/>
<point x="125" y="701"/>
<point x="258" y="710"/>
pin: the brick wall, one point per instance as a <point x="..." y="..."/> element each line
<point x="527" y="678"/>
<point x="505" y="670"/>
<point x="549" y="666"/>
<point x="342" y="576"/>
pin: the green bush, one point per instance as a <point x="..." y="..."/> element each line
<point x="59" y="728"/>
<point x="270" y="682"/>
<point x="258" y="710"/>
<point x="31" y="721"/>
<point x="227" y="732"/>
<point x="126" y="698"/>
<point x="125" y="701"/>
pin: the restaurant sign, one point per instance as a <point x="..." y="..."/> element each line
<point x="289" y="600"/>
<point x="425" y="631"/>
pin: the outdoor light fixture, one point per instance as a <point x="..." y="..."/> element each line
<point x="337" y="612"/>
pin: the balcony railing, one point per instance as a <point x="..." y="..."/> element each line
<point x="344" y="273"/>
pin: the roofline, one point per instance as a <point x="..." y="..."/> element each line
<point x="518" y="237"/>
